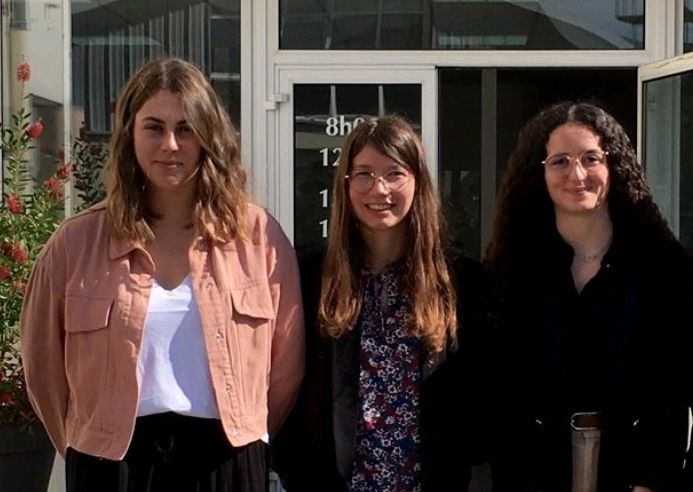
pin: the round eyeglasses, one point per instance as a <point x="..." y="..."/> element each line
<point x="363" y="181"/>
<point x="589" y="160"/>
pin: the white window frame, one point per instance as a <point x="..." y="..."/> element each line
<point x="261" y="60"/>
<point x="669" y="202"/>
<point x="659" y="43"/>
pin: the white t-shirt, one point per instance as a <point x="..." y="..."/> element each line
<point x="173" y="368"/>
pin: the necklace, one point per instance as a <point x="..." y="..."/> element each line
<point x="592" y="257"/>
<point x="588" y="258"/>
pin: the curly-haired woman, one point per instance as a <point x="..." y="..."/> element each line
<point x="592" y="287"/>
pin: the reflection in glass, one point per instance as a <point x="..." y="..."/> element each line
<point x="462" y="25"/>
<point x="668" y="150"/>
<point x="111" y="38"/>
<point x="324" y="114"/>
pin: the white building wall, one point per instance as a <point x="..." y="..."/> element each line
<point x="41" y="44"/>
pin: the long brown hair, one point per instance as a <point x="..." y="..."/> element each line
<point x="220" y="196"/>
<point x="428" y="280"/>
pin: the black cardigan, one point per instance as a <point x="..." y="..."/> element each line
<point x="315" y="448"/>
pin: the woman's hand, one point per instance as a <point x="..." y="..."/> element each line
<point x="640" y="488"/>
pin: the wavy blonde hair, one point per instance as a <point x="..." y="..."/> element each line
<point x="427" y="277"/>
<point x="220" y="196"/>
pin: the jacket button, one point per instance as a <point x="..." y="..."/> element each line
<point x="228" y="387"/>
<point x="219" y="335"/>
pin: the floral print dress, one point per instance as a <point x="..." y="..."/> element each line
<point x="388" y="433"/>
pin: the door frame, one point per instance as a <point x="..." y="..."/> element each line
<point x="657" y="70"/>
<point x="648" y="73"/>
<point x="281" y="179"/>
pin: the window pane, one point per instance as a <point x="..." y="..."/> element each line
<point x="111" y="39"/>
<point x="459" y="166"/>
<point x="668" y="150"/>
<point x="463" y="24"/>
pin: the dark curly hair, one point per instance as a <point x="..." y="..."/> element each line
<point x="524" y="211"/>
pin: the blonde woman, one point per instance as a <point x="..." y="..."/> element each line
<point x="163" y="329"/>
<point x="396" y="316"/>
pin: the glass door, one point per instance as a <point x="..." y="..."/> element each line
<point x="665" y="106"/>
<point x="319" y="108"/>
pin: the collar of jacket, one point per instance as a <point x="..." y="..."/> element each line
<point x="119" y="247"/>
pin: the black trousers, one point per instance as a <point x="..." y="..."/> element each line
<point x="173" y="453"/>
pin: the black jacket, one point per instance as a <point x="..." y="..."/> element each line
<point x="315" y="448"/>
<point x="640" y="314"/>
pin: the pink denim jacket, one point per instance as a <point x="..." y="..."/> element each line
<point x="84" y="315"/>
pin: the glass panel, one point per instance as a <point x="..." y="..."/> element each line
<point x="688" y="26"/>
<point x="459" y="175"/>
<point x="462" y="24"/>
<point x="230" y="93"/>
<point x="110" y="39"/>
<point x="668" y="150"/>
<point x="18" y="14"/>
<point x="324" y="114"/>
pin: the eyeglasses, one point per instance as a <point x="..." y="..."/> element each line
<point x="363" y="181"/>
<point x="589" y="160"/>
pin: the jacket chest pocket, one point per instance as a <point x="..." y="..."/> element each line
<point x="87" y="351"/>
<point x="252" y="305"/>
<point x="86" y="314"/>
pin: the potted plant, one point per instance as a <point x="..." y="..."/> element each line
<point x="29" y="213"/>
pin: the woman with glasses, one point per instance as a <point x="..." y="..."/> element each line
<point x="592" y="287"/>
<point x="388" y="399"/>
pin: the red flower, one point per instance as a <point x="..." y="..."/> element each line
<point x="14" y="203"/>
<point x="55" y="187"/>
<point x="19" y="286"/>
<point x="23" y="72"/>
<point x="18" y="254"/>
<point x="35" y="129"/>
<point x="63" y="171"/>
<point x="4" y="273"/>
